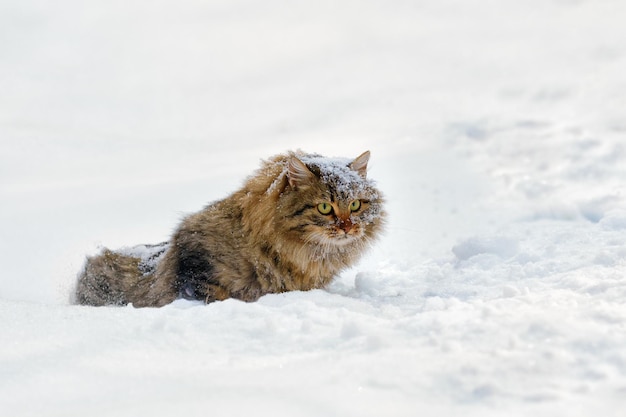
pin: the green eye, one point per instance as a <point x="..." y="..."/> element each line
<point x="324" y="208"/>
<point x="355" y="205"/>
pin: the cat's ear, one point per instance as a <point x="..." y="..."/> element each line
<point x="297" y="172"/>
<point x="360" y="164"/>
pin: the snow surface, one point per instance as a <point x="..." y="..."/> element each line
<point x="497" y="134"/>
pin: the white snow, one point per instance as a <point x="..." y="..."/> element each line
<point x="149" y="255"/>
<point x="497" y="135"/>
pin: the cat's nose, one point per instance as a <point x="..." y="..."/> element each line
<point x="345" y="224"/>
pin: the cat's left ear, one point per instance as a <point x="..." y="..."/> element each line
<point x="297" y="172"/>
<point x="360" y="164"/>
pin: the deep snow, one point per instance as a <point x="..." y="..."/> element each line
<point x="497" y="135"/>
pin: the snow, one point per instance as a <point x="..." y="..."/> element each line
<point x="497" y="137"/>
<point x="348" y="183"/>
<point x="149" y="255"/>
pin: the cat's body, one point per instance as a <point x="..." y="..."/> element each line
<point x="294" y="225"/>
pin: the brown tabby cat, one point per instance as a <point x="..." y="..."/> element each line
<point x="295" y="224"/>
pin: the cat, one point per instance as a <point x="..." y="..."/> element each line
<point x="294" y="225"/>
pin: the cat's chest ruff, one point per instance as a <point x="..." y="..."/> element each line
<point x="291" y="269"/>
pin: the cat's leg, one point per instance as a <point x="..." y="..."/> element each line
<point x="215" y="293"/>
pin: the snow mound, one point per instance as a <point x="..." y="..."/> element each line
<point x="502" y="247"/>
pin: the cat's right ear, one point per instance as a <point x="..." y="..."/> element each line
<point x="360" y="163"/>
<point x="297" y="172"/>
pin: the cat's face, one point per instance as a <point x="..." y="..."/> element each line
<point x="336" y="221"/>
<point x="330" y="202"/>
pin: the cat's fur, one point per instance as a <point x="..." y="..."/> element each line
<point x="268" y="237"/>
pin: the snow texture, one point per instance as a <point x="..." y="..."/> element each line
<point x="149" y="255"/>
<point x="348" y="184"/>
<point x="497" y="137"/>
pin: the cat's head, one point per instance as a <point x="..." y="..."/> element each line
<point x="330" y="201"/>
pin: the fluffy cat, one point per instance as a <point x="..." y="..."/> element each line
<point x="294" y="225"/>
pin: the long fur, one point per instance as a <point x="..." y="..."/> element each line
<point x="267" y="237"/>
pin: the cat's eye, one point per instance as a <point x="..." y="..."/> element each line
<point x="355" y="205"/>
<point x="324" y="208"/>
